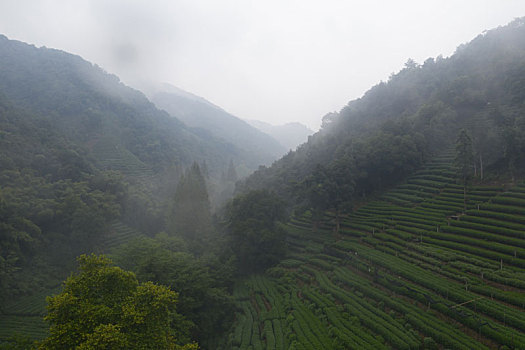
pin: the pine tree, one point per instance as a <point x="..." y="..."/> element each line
<point x="190" y="217"/>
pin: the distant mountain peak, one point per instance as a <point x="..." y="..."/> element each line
<point x="197" y="112"/>
<point x="290" y="135"/>
<point x="151" y="89"/>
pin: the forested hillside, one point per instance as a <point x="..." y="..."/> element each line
<point x="87" y="164"/>
<point x="379" y="139"/>
<point x="399" y="225"/>
<point x="411" y="269"/>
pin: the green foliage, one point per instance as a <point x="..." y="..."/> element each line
<point x="319" y="189"/>
<point x="201" y="283"/>
<point x="42" y="216"/>
<point x="79" y="150"/>
<point x="257" y="238"/>
<point x="104" y="306"/>
<point x="401" y="276"/>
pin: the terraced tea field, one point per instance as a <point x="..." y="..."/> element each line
<point x="118" y="234"/>
<point x="25" y="315"/>
<point x="414" y="269"/>
<point x="113" y="157"/>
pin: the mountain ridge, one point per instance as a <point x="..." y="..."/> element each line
<point x="196" y="112"/>
<point x="380" y="138"/>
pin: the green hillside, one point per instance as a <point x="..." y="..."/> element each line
<point x="409" y="219"/>
<point x="399" y="225"/>
<point x="387" y="134"/>
<point x="86" y="165"/>
<point x="408" y="270"/>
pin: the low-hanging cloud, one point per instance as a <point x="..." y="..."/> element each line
<point x="276" y="61"/>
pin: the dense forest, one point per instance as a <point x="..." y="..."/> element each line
<point x="88" y="163"/>
<point x="400" y="224"/>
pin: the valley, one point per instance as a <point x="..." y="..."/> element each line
<point x="156" y="219"/>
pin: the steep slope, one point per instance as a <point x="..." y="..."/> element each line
<point x="404" y="272"/>
<point x="289" y="135"/>
<point x="79" y="153"/>
<point x="376" y="141"/>
<point x="116" y="128"/>
<point x="196" y="112"/>
<point x="97" y="111"/>
<point x="391" y="246"/>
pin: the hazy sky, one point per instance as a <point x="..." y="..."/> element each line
<point x="272" y="60"/>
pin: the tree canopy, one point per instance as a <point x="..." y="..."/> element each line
<point x="257" y="239"/>
<point x="105" y="307"/>
<point x="202" y="283"/>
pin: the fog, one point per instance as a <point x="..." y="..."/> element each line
<point x="275" y="61"/>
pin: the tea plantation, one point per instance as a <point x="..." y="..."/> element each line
<point x="413" y="269"/>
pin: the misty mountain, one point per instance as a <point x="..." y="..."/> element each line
<point x="79" y="150"/>
<point x="86" y="164"/>
<point x="206" y="118"/>
<point x="376" y="141"/>
<point x="109" y="120"/>
<point x="118" y="128"/>
<point x="290" y="135"/>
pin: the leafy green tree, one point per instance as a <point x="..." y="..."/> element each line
<point x="258" y="240"/>
<point x="17" y="234"/>
<point x="105" y="307"/>
<point x="464" y="161"/>
<point x="514" y="145"/>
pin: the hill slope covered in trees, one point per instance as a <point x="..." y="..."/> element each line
<point x="411" y="269"/>
<point x="407" y="225"/>
<point x="380" y="138"/>
<point x="84" y="157"/>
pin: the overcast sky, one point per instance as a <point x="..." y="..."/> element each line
<point x="272" y="60"/>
